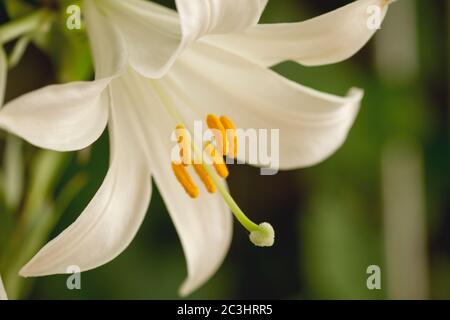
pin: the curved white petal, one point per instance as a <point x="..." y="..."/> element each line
<point x="3" y="295"/>
<point x="203" y="17"/>
<point x="112" y="218"/>
<point x="3" y="73"/>
<point x="329" y="38"/>
<point x="155" y="35"/>
<point x="108" y="47"/>
<point x="59" y="117"/>
<point x="204" y="225"/>
<point x="312" y="125"/>
<point x="151" y="32"/>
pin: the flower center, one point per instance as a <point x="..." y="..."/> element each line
<point x="210" y="167"/>
<point x="225" y="141"/>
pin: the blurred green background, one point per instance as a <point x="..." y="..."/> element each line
<point x="382" y="199"/>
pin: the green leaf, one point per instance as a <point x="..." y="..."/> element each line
<point x="68" y="49"/>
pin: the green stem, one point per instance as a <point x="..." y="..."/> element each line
<point x="21" y="26"/>
<point x="18" y="51"/>
<point x="238" y="213"/>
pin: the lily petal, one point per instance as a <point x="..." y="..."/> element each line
<point x="59" y="117"/>
<point x="3" y="295"/>
<point x="112" y="218"/>
<point x="151" y="32"/>
<point x="144" y="24"/>
<point x="203" y="17"/>
<point x="107" y="45"/>
<point x="204" y="225"/>
<point x="329" y="38"/>
<point x="3" y="73"/>
<point x="312" y="124"/>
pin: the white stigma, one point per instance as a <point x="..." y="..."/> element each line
<point x="264" y="236"/>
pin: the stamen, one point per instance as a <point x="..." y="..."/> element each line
<point x="185" y="180"/>
<point x="231" y="136"/>
<point x="216" y="125"/>
<point x="260" y="235"/>
<point x="218" y="162"/>
<point x="206" y="179"/>
<point x="185" y="144"/>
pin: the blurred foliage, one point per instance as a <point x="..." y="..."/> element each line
<point x="328" y="218"/>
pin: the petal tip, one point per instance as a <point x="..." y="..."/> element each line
<point x="356" y="93"/>
<point x="189" y="286"/>
<point x="25" y="272"/>
<point x="184" y="291"/>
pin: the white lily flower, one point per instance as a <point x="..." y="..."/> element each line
<point x="3" y="295"/>
<point x="155" y="70"/>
